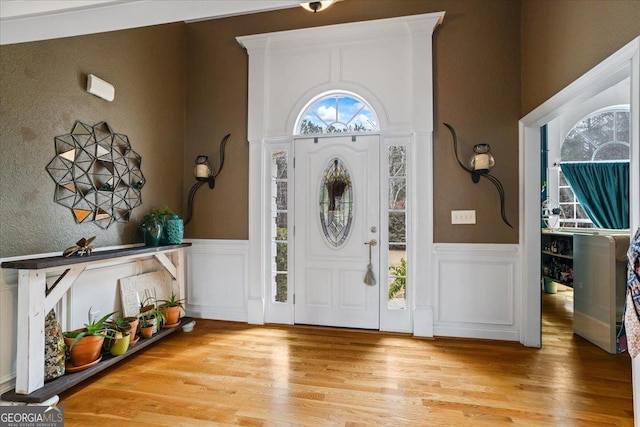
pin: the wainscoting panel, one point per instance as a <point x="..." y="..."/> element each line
<point x="217" y="279"/>
<point x="476" y="289"/>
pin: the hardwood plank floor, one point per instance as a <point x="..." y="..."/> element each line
<point x="226" y="373"/>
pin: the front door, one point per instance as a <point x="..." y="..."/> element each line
<point x="337" y="217"/>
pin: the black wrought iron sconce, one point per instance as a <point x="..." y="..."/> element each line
<point x="480" y="164"/>
<point x="203" y="173"/>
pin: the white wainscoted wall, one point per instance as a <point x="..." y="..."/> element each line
<point x="96" y="288"/>
<point x="217" y="279"/>
<point x="476" y="290"/>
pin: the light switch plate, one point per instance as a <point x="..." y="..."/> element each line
<point x="463" y="217"/>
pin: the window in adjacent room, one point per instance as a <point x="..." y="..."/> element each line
<point x="602" y="138"/>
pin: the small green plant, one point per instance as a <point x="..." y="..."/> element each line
<point x="157" y="214"/>
<point x="120" y="324"/>
<point x="151" y="317"/>
<point x="172" y="302"/>
<point x="93" y="327"/>
<point x="150" y="313"/>
<point x="400" y="283"/>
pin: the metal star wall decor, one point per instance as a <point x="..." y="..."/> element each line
<point x="97" y="174"/>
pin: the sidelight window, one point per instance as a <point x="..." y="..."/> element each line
<point x="279" y="226"/>
<point x="397" y="220"/>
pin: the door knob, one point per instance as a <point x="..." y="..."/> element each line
<point x="371" y="242"/>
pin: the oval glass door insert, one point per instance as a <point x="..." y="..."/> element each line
<point x="336" y="202"/>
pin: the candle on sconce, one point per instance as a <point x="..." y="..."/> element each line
<point x="202" y="171"/>
<point x="482" y="160"/>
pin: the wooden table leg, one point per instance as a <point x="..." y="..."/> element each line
<point x="30" y="345"/>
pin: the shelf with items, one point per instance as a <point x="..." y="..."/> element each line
<point x="70" y="379"/>
<point x="557" y="257"/>
<point x="557" y="244"/>
<point x="37" y="297"/>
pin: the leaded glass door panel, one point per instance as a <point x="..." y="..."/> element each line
<point x="336" y="212"/>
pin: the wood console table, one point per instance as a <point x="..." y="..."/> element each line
<point x="36" y="299"/>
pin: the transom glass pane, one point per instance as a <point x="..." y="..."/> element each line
<point x="337" y="113"/>
<point x="601" y="136"/>
<point x="336" y="202"/>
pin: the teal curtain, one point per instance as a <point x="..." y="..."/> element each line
<point x="602" y="188"/>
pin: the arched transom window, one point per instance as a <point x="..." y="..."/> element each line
<point x="600" y="137"/>
<point x="337" y="112"/>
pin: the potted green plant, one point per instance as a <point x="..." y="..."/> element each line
<point x="151" y="318"/>
<point x="133" y="323"/>
<point x="171" y="309"/>
<point x="85" y="344"/>
<point x="123" y="326"/>
<point x="120" y="343"/>
<point x="155" y="225"/>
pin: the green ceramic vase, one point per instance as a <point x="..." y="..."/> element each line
<point x="120" y="346"/>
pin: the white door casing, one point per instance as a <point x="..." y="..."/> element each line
<point x="387" y="62"/>
<point x="625" y="63"/>
<point x="329" y="280"/>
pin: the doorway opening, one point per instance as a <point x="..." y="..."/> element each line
<point x="622" y="65"/>
<point x="585" y="210"/>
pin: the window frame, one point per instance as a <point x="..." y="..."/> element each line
<point x="335" y="94"/>
<point x="555" y="173"/>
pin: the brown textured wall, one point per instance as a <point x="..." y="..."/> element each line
<point x="477" y="90"/>
<point x="562" y="40"/>
<point x="42" y="93"/>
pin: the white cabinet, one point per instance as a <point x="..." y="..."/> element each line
<point x="599" y="272"/>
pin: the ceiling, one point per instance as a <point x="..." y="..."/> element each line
<point x="31" y="20"/>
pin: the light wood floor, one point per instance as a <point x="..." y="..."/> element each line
<point x="227" y="373"/>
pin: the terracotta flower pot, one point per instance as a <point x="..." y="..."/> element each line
<point x="172" y="316"/>
<point x="85" y="351"/>
<point x="146" y="331"/>
<point x="133" y="321"/>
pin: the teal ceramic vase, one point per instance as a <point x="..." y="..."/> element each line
<point x="152" y="232"/>
<point x="174" y="230"/>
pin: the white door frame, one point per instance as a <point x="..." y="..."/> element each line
<point x="625" y="63"/>
<point x="395" y="54"/>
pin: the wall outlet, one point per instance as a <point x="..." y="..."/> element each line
<point x="463" y="217"/>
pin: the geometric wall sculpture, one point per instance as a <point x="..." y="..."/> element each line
<point x="97" y="174"/>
